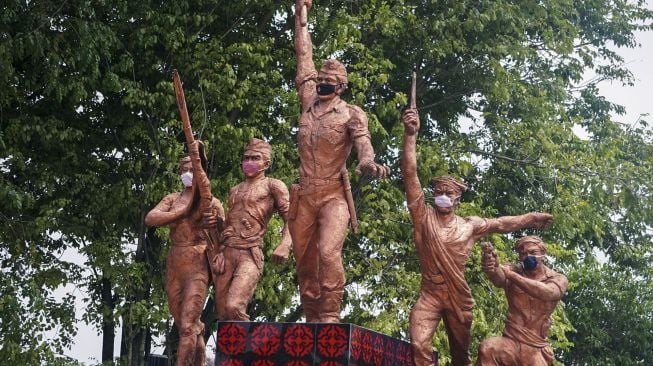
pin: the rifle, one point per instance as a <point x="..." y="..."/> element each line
<point x="350" y="199"/>
<point x="198" y="159"/>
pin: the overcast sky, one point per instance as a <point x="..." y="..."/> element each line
<point x="637" y="100"/>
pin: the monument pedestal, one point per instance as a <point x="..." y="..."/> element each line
<point x="306" y="344"/>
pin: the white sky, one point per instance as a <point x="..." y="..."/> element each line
<point x="636" y="99"/>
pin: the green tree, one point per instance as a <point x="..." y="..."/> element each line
<point x="612" y="313"/>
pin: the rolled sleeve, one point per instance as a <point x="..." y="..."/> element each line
<point x="417" y="208"/>
<point x="357" y="123"/>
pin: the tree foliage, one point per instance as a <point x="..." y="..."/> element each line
<point x="612" y="313"/>
<point x="90" y="139"/>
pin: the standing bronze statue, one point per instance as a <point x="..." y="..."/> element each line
<point x="533" y="291"/>
<point x="193" y="238"/>
<point x="239" y="261"/>
<point x="187" y="265"/>
<point x="444" y="241"/>
<point x="322" y="204"/>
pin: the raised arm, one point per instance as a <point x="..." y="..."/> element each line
<point x="546" y="291"/>
<point x="162" y="214"/>
<point x="304" y="53"/>
<point x="409" y="156"/>
<point x="508" y="224"/>
<point x="491" y="266"/>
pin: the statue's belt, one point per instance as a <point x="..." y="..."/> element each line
<point x="306" y="181"/>
<point x="308" y="185"/>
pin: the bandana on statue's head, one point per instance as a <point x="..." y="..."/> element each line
<point x="449" y="182"/>
<point x="336" y="68"/>
<point x="260" y="147"/>
<point x="204" y="161"/>
<point x="185" y="160"/>
<point x="530" y="262"/>
<point x="521" y="242"/>
<point x="186" y="177"/>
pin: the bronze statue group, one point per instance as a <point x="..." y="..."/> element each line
<point x="228" y="249"/>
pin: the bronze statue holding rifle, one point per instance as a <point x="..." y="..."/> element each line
<point x="444" y="241"/>
<point x="322" y="204"/>
<point x="192" y="237"/>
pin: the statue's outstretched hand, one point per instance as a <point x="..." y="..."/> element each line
<point x="410" y="117"/>
<point x="542" y="220"/>
<point x="372" y="168"/>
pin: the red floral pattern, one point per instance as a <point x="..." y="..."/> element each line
<point x="356" y="343"/>
<point x="390" y="353"/>
<point x="332" y="341"/>
<point x="266" y="340"/>
<point x="367" y="347"/>
<point x="260" y="344"/>
<point x="232" y="339"/>
<point x="298" y="340"/>
<point x="404" y="354"/>
<point x="231" y="363"/>
<point x="378" y="350"/>
<point x="264" y="363"/>
<point x="297" y="363"/>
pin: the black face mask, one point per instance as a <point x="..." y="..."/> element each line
<point x="530" y="262"/>
<point x="325" y="89"/>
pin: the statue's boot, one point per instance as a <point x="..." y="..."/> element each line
<point x="330" y="302"/>
<point x="186" y="350"/>
<point x="311" y="310"/>
<point x="200" y="348"/>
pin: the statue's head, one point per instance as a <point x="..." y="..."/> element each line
<point x="331" y="80"/>
<point x="204" y="161"/>
<point x="335" y="68"/>
<point x="530" y="243"/>
<point x="257" y="157"/>
<point x="186" y="171"/>
<point x="446" y="192"/>
<point x="531" y="250"/>
<point x="185" y="164"/>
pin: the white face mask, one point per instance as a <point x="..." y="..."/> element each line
<point x="443" y="201"/>
<point x="187" y="179"/>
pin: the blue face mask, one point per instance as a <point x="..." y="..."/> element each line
<point x="325" y="89"/>
<point x="530" y="262"/>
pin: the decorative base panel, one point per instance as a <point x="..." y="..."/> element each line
<point x="306" y="344"/>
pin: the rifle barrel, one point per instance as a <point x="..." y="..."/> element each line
<point x="413" y="91"/>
